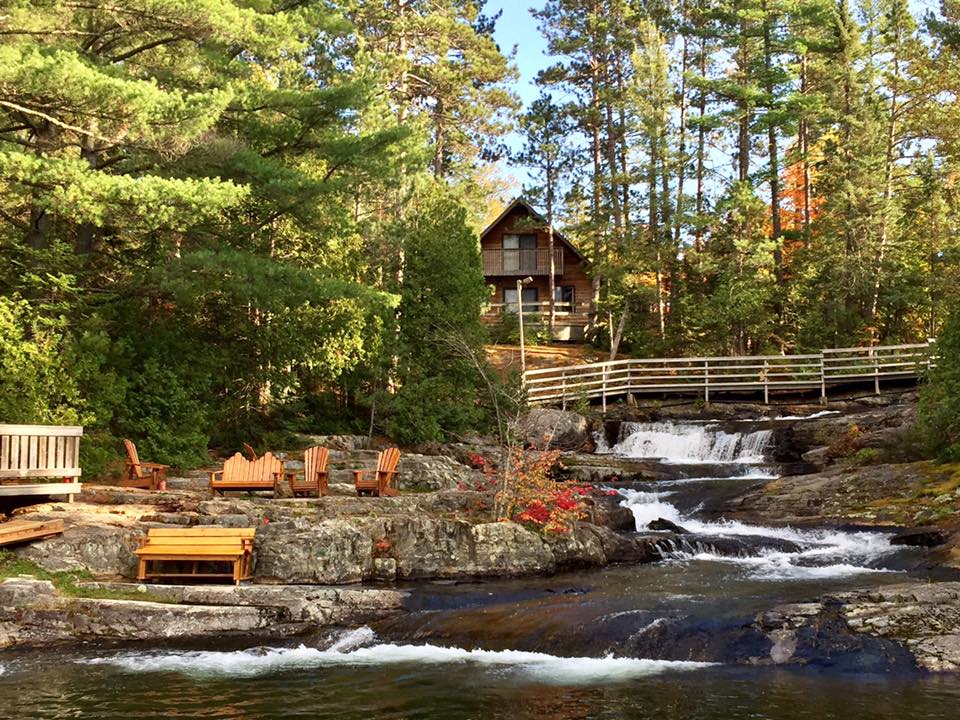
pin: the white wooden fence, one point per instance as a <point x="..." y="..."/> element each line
<point x="708" y="376"/>
<point x="40" y="451"/>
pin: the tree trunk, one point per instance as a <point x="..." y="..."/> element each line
<point x="887" y="186"/>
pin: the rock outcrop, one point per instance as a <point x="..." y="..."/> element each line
<point x="32" y="613"/>
<point x="555" y="429"/>
<point x="870" y="629"/>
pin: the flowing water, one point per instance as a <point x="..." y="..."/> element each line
<point x="615" y="643"/>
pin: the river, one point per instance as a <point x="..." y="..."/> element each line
<point x="613" y="643"/>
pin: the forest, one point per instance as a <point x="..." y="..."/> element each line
<point x="224" y="221"/>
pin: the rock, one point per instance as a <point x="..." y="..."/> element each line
<point x="326" y="553"/>
<point x="920" y="537"/>
<point x="607" y="511"/>
<point x="437" y="472"/>
<point x="23" y="591"/>
<point x="555" y="429"/>
<point x="664" y="524"/>
<point x="345" y="443"/>
<point x="102" y="550"/>
<point x="818" y="456"/>
<point x="875" y="630"/>
<point x="724" y="545"/>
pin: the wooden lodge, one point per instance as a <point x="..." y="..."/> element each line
<point x="516" y="246"/>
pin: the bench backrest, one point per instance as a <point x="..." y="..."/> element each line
<point x="209" y="538"/>
<point x="315" y="460"/>
<point x="32" y="451"/>
<point x="219" y="533"/>
<point x="237" y="470"/>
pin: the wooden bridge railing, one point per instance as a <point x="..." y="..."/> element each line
<point x="707" y="376"/>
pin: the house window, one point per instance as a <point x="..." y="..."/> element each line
<point x="519" y="253"/>
<point x="563" y="296"/>
<point x="531" y="298"/>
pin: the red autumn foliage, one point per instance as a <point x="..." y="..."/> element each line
<point x="532" y="496"/>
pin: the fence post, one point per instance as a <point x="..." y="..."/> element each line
<point x="823" y="380"/>
<point x="876" y="371"/>
<point x="563" y="389"/>
<point x="603" y="390"/>
<point x="766" y="387"/>
<point x="706" y="383"/>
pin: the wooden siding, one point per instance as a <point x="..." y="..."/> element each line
<point x="573" y="271"/>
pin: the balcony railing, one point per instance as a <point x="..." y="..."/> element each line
<point x="577" y="313"/>
<point x="522" y="262"/>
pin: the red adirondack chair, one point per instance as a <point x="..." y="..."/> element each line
<point x="315" y="476"/>
<point x="381" y="481"/>
<point x="144" y="475"/>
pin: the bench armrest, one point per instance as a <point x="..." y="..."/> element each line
<point x="214" y="473"/>
<point x="158" y="466"/>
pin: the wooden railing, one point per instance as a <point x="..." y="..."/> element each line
<point x="522" y="262"/>
<point x="541" y="308"/>
<point x="708" y="376"/>
<point x="39" y="451"/>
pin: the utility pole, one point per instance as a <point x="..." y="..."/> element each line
<point x="523" y="356"/>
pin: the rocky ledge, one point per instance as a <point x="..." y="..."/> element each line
<point x="339" y="539"/>
<point x="32" y="613"/>
<point x="876" y="628"/>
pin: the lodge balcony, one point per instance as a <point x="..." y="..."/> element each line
<point x="572" y="318"/>
<point x="522" y="262"/>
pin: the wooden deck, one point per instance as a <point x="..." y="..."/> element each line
<point x="709" y="377"/>
<point x="16" y="531"/>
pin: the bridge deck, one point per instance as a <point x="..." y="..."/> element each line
<point x="709" y="376"/>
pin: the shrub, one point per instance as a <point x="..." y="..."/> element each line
<point x="939" y="418"/>
<point x="530" y="495"/>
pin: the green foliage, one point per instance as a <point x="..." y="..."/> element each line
<point x="440" y="334"/>
<point x="35" y="385"/>
<point x="939" y="419"/>
<point x="225" y="221"/>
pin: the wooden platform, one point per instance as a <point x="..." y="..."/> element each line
<point x="17" y="531"/>
<point x="51" y="488"/>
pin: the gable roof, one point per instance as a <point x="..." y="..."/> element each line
<point x="522" y="203"/>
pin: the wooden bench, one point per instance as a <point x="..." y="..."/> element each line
<point x="241" y="474"/>
<point x="316" y="478"/>
<point x="144" y="475"/>
<point x="381" y="481"/>
<point x="40" y="451"/>
<point x="197" y="545"/>
<point x="16" y="531"/>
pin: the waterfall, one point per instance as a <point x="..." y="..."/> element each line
<point x="818" y="553"/>
<point x="687" y="443"/>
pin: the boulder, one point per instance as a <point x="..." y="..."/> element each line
<point x="102" y="550"/>
<point x="879" y="629"/>
<point x="437" y="472"/>
<point x="662" y="524"/>
<point x="555" y="429"/>
<point x="921" y="537"/>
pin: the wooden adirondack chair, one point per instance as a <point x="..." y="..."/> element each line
<point x="251" y="453"/>
<point x="383" y="480"/>
<point x="148" y="476"/>
<point x="315" y="475"/>
<point x="241" y="474"/>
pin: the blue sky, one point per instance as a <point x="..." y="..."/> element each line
<point x="517" y="27"/>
